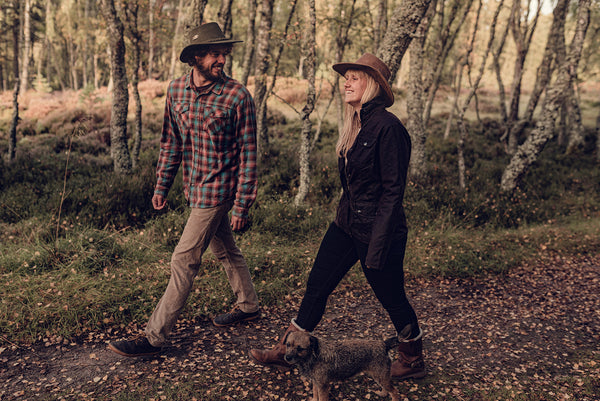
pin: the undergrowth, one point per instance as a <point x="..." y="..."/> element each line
<point x="104" y="264"/>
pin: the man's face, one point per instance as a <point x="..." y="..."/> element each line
<point x="211" y="64"/>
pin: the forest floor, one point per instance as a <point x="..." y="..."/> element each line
<point x="532" y="334"/>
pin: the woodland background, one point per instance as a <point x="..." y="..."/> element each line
<point x="501" y="98"/>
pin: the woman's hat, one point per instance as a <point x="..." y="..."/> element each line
<point x="207" y="34"/>
<point x="374" y="67"/>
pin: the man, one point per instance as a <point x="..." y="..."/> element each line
<point x="209" y="129"/>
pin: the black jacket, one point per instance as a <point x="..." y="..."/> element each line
<point x="373" y="180"/>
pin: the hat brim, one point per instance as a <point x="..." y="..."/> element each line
<point x="342" y="68"/>
<point x="183" y="57"/>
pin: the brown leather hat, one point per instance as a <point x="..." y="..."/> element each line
<point x="374" y="67"/>
<point x="206" y="34"/>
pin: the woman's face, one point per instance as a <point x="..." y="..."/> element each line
<point x="354" y="88"/>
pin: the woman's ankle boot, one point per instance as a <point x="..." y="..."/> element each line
<point x="274" y="356"/>
<point x="410" y="362"/>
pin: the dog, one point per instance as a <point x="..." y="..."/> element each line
<point x="327" y="361"/>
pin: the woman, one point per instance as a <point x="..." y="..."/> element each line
<point x="370" y="224"/>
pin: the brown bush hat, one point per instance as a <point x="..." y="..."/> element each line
<point x="206" y="34"/>
<point x="374" y="67"/>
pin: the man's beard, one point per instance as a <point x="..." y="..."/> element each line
<point x="208" y="72"/>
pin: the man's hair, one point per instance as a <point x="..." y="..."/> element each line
<point x="201" y="51"/>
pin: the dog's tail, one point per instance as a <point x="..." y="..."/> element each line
<point x="391" y="343"/>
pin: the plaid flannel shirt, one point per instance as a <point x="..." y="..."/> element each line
<point x="213" y="136"/>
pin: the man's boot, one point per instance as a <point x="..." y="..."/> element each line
<point x="274" y="356"/>
<point x="410" y="363"/>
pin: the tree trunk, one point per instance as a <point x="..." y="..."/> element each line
<point x="548" y="64"/>
<point x="381" y="25"/>
<point x="224" y="20"/>
<point x="131" y="12"/>
<point x="341" y="41"/>
<point x="176" y="47"/>
<point x="528" y="152"/>
<point x="197" y="15"/>
<point x="598" y="137"/>
<point x="151" y="5"/>
<point x="12" y="133"/>
<point x="249" y="43"/>
<point x="414" y="99"/>
<point x="404" y="22"/>
<point x="523" y="32"/>
<point x="263" y="60"/>
<point x="26" y="56"/>
<point x="120" y="97"/>
<point x="576" y="131"/>
<point x="309" y="51"/>
<point x="445" y="42"/>
<point x="498" y="70"/>
<point x="460" y="118"/>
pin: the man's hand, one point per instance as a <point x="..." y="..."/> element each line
<point x="238" y="223"/>
<point x="158" y="201"/>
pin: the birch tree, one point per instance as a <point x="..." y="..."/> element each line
<point x="474" y="87"/>
<point x="12" y="133"/>
<point x="120" y="97"/>
<point x="343" y="22"/>
<point x="26" y="55"/>
<point x="261" y="70"/>
<point x="522" y="27"/>
<point x="224" y="20"/>
<point x="414" y="100"/>
<point x="131" y="14"/>
<point x="309" y="53"/>
<point x="529" y="151"/>
<point x="449" y="25"/>
<point x="175" y="47"/>
<point x="404" y="22"/>
<point x="249" y="43"/>
<point x="151" y="7"/>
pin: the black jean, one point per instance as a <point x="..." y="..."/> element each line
<point x="337" y="254"/>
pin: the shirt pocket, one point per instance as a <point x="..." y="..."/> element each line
<point x="219" y="129"/>
<point x="182" y="115"/>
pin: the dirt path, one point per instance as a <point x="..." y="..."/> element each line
<point x="531" y="335"/>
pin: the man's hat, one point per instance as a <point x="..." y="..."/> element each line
<point x="375" y="68"/>
<point x="207" y="34"/>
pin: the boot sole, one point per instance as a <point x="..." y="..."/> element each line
<point x="273" y="365"/>
<point x="237" y="321"/>
<point x="419" y="375"/>
<point x="118" y="351"/>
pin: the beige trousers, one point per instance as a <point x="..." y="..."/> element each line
<point x="205" y="228"/>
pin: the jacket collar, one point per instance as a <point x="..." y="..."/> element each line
<point x="368" y="108"/>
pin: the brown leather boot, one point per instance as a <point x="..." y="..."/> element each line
<point x="274" y="356"/>
<point x="410" y="363"/>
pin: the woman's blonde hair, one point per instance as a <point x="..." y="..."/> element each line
<point x="351" y="125"/>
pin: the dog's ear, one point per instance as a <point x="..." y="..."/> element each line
<point x="314" y="345"/>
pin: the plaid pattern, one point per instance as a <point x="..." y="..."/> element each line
<point x="212" y="136"/>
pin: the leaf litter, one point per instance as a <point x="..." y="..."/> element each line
<point x="530" y="334"/>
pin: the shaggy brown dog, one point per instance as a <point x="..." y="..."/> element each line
<point x="324" y="361"/>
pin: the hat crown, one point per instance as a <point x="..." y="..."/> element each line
<point x="206" y="33"/>
<point x="370" y="60"/>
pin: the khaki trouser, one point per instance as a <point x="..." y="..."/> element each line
<point x="204" y="228"/>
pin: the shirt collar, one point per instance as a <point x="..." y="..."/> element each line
<point x="216" y="87"/>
